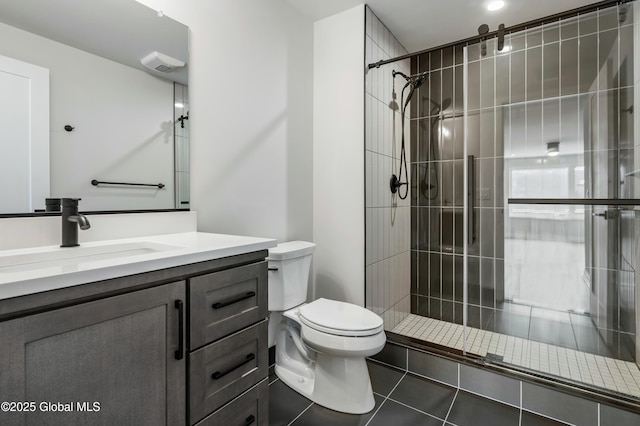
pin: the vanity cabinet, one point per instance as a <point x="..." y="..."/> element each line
<point x="110" y="361"/>
<point x="179" y="346"/>
<point x="228" y="341"/>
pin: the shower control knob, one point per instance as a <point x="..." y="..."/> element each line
<point x="394" y="184"/>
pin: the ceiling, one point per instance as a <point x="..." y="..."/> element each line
<point x="123" y="31"/>
<point x="422" y="24"/>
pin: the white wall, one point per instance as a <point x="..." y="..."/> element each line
<point x="338" y="148"/>
<point x="123" y="119"/>
<point x="250" y="91"/>
<point x="25" y="232"/>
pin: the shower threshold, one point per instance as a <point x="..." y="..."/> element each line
<point x="595" y="370"/>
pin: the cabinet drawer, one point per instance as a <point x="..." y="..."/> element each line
<point x="226" y="301"/>
<point x="224" y="369"/>
<point x="249" y="409"/>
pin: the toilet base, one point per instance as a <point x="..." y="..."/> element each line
<point x="338" y="383"/>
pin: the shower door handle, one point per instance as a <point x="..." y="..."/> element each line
<point x="607" y="214"/>
<point x="471" y="198"/>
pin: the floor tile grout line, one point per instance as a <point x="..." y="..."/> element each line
<point x="547" y="416"/>
<point x="489" y="398"/>
<point x="520" y="417"/>
<point x="414" y="408"/>
<point x="298" y="416"/>
<point x="431" y="379"/>
<point x="385" y="399"/>
<point x="395" y="367"/>
<point x="451" y="406"/>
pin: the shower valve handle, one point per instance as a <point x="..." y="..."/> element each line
<point x="394" y="184"/>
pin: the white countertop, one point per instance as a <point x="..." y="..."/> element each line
<point x="20" y="276"/>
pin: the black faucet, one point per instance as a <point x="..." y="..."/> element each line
<point x="71" y="219"/>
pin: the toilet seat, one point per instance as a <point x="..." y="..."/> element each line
<point x="340" y="318"/>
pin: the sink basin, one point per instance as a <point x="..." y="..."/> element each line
<point x="56" y="256"/>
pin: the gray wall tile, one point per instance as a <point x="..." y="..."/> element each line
<point x="559" y="405"/>
<point x="490" y="384"/>
<point x="433" y="367"/>
<point x="616" y="417"/>
<point x="393" y="355"/>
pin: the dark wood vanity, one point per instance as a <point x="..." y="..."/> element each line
<point x="180" y="346"/>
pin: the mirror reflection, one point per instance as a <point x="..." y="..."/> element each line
<point x="81" y="106"/>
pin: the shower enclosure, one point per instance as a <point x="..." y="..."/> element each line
<point x="523" y="200"/>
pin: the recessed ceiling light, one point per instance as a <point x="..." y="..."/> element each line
<point x="179" y="105"/>
<point x="495" y="5"/>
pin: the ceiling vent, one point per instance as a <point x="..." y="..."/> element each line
<point x="160" y="62"/>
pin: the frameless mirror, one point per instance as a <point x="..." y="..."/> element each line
<point x="108" y="118"/>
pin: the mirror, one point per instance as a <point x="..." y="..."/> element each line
<point x="110" y="119"/>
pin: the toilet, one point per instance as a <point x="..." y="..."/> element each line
<point x="321" y="345"/>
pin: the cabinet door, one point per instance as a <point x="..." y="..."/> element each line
<point x="120" y="352"/>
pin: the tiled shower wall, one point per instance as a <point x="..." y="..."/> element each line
<point x="438" y="196"/>
<point x="388" y="261"/>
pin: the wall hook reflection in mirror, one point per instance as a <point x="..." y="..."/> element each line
<point x="69" y="128"/>
<point x="182" y="118"/>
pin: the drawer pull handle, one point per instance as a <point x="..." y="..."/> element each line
<point x="247" y="295"/>
<point x="249" y="420"/>
<point x="179" y="354"/>
<point x="273" y="269"/>
<point x="219" y="374"/>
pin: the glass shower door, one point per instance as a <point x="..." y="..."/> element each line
<point x="551" y="196"/>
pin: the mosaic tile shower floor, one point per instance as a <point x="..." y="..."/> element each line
<point x="608" y="373"/>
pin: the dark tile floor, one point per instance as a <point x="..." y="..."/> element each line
<point x="402" y="399"/>
<point x="565" y="329"/>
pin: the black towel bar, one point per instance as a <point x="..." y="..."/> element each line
<point x="99" y="182"/>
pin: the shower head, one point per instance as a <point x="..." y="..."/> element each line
<point x="413" y="82"/>
<point x="419" y="79"/>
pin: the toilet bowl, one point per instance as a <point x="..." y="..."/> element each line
<point x="320" y="346"/>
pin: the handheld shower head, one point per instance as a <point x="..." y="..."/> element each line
<point x="414" y="82"/>
<point x="415" y="79"/>
<point x="419" y="79"/>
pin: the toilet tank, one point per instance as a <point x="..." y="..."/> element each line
<point x="289" y="274"/>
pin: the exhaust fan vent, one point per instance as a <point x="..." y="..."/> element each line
<point x="160" y="62"/>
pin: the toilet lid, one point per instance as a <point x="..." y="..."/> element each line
<point x="343" y="319"/>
